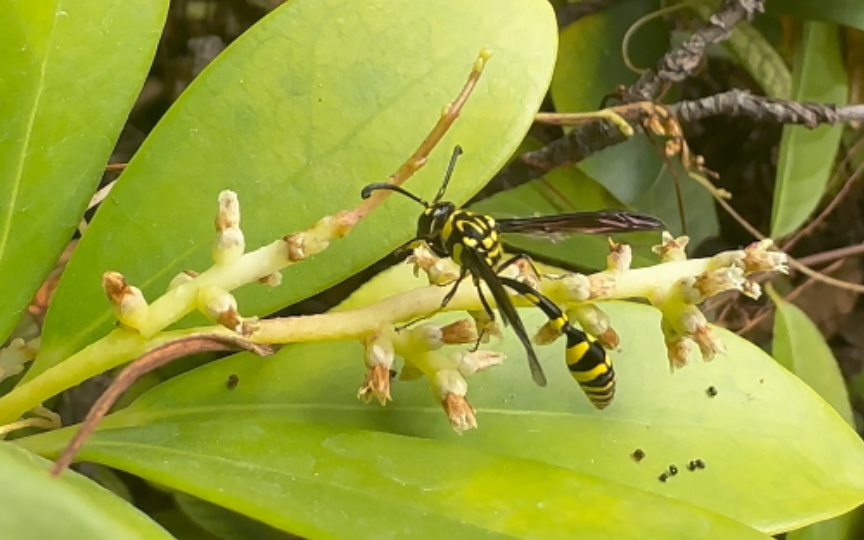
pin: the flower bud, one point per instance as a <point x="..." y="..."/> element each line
<point x="423" y="337"/>
<point x="758" y="258"/>
<point x="229" y="246"/>
<point x="470" y="362"/>
<point x="127" y="302"/>
<point x="305" y="244"/>
<point x="219" y="306"/>
<point x="460" y="332"/>
<point x="713" y="282"/>
<point x="591" y="318"/>
<point x="229" y="211"/>
<point x="485" y="326"/>
<point x="271" y="280"/>
<point x="576" y="288"/>
<point x="379" y="359"/>
<point x="620" y="257"/>
<point x="440" y="271"/>
<point x="672" y="249"/>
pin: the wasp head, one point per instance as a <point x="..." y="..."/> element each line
<point x="430" y="226"/>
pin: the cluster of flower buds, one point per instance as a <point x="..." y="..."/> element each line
<point x="675" y="286"/>
<point x="421" y="348"/>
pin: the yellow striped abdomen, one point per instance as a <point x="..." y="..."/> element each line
<point x="591" y="367"/>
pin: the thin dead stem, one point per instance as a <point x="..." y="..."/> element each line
<point x="152" y="360"/>
<point x="768" y="309"/>
<point x="419" y="157"/>
<point x="835" y="202"/>
<point x="797" y="265"/>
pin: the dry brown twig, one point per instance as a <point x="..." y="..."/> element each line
<point x="418" y="158"/>
<point x="152" y="360"/>
<point x="768" y="308"/>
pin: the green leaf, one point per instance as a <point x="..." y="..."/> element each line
<point x="764" y="428"/>
<point x="761" y="60"/>
<point x="661" y="200"/>
<point x="838" y="528"/>
<point x="846" y="12"/>
<point x="318" y="99"/>
<point x="327" y="482"/>
<point x="70" y="74"/>
<point x="800" y="348"/>
<point x="807" y="156"/>
<point x="39" y="507"/>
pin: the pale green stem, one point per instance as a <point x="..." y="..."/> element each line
<point x="120" y="346"/>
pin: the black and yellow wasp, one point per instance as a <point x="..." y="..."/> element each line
<point x="472" y="241"/>
<point x="588" y="362"/>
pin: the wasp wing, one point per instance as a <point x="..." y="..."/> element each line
<point x="478" y="266"/>
<point x="607" y="222"/>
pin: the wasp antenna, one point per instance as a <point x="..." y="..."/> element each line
<point x="367" y="192"/>
<point x="457" y="151"/>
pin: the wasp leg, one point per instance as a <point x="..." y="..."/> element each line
<point x="488" y="310"/>
<point x="479" y="340"/>
<point x="452" y="293"/>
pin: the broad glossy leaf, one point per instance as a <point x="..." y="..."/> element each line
<point x="777" y="457"/>
<point x="70" y="74"/>
<point x="800" y="347"/>
<point x="36" y="506"/>
<point x="807" y="156"/>
<point x="317" y="100"/>
<point x="661" y="200"/>
<point x="847" y="12"/>
<point x="330" y="482"/>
